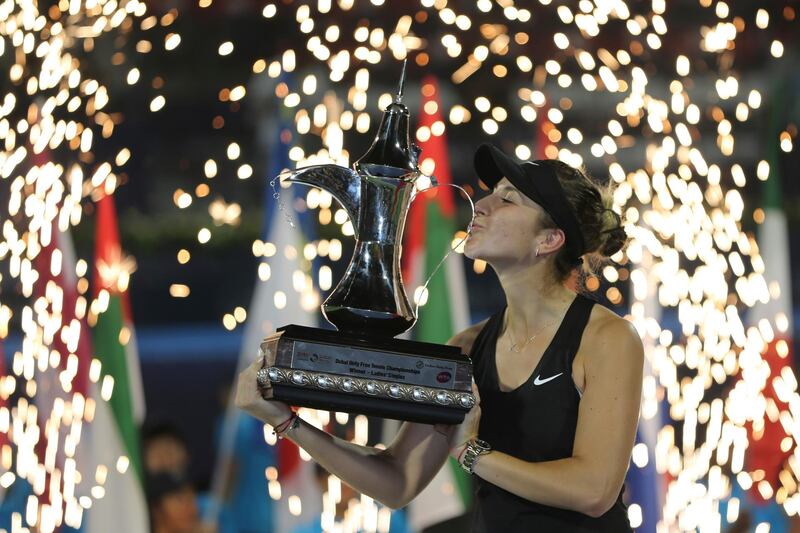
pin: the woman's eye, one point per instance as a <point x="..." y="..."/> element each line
<point x="507" y="201"/>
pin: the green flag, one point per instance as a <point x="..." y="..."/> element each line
<point x="430" y="232"/>
<point x="114" y="434"/>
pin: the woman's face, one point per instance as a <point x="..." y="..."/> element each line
<point x="505" y="228"/>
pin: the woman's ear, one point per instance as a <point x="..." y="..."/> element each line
<point x="553" y="241"/>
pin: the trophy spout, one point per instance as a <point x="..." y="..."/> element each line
<point x="342" y="183"/>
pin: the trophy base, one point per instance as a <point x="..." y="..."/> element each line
<point x="385" y="377"/>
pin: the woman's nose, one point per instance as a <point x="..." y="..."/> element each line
<point x="483" y="206"/>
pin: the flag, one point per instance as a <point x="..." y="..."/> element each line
<point x="63" y="380"/>
<point x="113" y="438"/>
<point x="768" y="450"/>
<point x="278" y="299"/>
<point x="430" y="232"/>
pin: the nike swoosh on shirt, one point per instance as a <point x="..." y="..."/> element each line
<point x="538" y="381"/>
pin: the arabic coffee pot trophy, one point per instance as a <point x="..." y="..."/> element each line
<point x="361" y="367"/>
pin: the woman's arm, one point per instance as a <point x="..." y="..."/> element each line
<point x="590" y="480"/>
<point x="377" y="473"/>
<point x="393" y="476"/>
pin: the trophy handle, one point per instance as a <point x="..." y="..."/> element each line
<point x="423" y="183"/>
<point x="452" y="248"/>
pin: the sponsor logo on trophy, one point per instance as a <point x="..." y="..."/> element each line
<point x="361" y="367"/>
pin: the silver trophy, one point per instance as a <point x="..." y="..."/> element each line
<point x="361" y="367"/>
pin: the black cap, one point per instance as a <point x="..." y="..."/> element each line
<point x="538" y="181"/>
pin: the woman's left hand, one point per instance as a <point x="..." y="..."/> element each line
<point x="468" y="429"/>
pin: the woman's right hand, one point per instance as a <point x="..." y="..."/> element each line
<point x="249" y="398"/>
<point x="468" y="429"/>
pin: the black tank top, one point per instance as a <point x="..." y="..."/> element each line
<point x="535" y="422"/>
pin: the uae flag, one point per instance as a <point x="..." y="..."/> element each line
<point x="770" y="443"/>
<point x="113" y="437"/>
<point x="430" y="233"/>
<point x="63" y="381"/>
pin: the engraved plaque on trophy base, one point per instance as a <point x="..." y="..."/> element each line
<point x="385" y="377"/>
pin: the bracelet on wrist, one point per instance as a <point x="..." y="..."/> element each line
<point x="290" y="423"/>
<point x="279" y="425"/>
<point x="472" y="451"/>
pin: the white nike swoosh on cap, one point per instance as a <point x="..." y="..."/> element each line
<point x="538" y="381"/>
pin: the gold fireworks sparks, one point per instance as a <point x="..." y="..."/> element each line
<point x="669" y="140"/>
<point x="52" y="117"/>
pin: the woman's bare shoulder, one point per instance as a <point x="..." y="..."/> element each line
<point x="464" y="339"/>
<point x="606" y="328"/>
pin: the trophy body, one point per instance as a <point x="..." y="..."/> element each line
<point x="370" y="296"/>
<point x="362" y="368"/>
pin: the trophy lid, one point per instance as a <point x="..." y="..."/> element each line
<point x="392" y="153"/>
